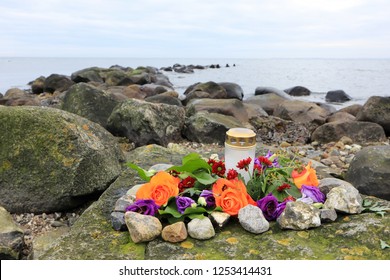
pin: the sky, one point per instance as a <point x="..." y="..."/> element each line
<point x="195" y="28"/>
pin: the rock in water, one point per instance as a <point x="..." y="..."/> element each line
<point x="201" y="228"/>
<point x="52" y="160"/>
<point x="11" y="237"/>
<point x="176" y="232"/>
<point x="337" y="96"/>
<point x="369" y="171"/>
<point x="252" y="219"/>
<point x="299" y="216"/>
<point x="142" y="228"/>
<point x="344" y="201"/>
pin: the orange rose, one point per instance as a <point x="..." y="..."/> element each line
<point x="231" y="195"/>
<point x="307" y="177"/>
<point x="161" y="187"/>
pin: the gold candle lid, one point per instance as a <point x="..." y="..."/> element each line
<point x="240" y="137"/>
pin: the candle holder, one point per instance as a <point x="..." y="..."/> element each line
<point x="240" y="144"/>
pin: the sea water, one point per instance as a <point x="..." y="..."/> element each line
<point x="359" y="78"/>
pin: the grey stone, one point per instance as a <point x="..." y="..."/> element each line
<point x="328" y="215"/>
<point x="344" y="201"/>
<point x="201" y="228"/>
<point x="142" y="228"/>
<point x="369" y="171"/>
<point x="299" y="216"/>
<point x="377" y="110"/>
<point x="118" y="221"/>
<point x="326" y="184"/>
<point x="252" y="219"/>
<point x="123" y="202"/>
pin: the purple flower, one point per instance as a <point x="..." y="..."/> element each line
<point x="274" y="159"/>
<point x="209" y="197"/>
<point x="313" y="193"/>
<point x="280" y="208"/>
<point x="144" y="206"/>
<point x="183" y="202"/>
<point x="268" y="206"/>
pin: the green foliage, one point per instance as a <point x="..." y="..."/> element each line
<point x="144" y="174"/>
<point x="378" y="209"/>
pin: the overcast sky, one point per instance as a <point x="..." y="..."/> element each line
<point x="195" y="28"/>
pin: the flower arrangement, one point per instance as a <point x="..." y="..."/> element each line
<point x="200" y="186"/>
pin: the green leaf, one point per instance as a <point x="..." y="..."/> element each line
<point x="190" y="157"/>
<point x="381" y="213"/>
<point x="367" y="203"/>
<point x="384" y="245"/>
<point x="204" y="178"/>
<point x="170" y="211"/>
<point x="196" y="216"/>
<point x="144" y="174"/>
<point x="196" y="210"/>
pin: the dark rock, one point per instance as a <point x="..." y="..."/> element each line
<point x="165" y="99"/>
<point x="87" y="75"/>
<point x="298" y="91"/>
<point x="275" y="130"/>
<point x="56" y="82"/>
<point x="369" y="171"/>
<point x="118" y="221"/>
<point x="212" y="89"/>
<point x="352" y="109"/>
<point x="377" y="110"/>
<point x="267" y="90"/>
<point x="359" y="132"/>
<point x="89" y="102"/>
<point x="337" y="96"/>
<point x="340" y="117"/>
<point x="117" y="77"/>
<point x="11" y="237"/>
<point x="38" y="85"/>
<point x="233" y="90"/>
<point x="147" y="123"/>
<point x="267" y="101"/>
<point x="52" y="160"/>
<point x="204" y="127"/>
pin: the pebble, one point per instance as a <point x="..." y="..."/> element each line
<point x="174" y="233"/>
<point x="345" y="201"/>
<point x="142" y="228"/>
<point x="299" y="216"/>
<point x="252" y="219"/>
<point x="201" y="229"/>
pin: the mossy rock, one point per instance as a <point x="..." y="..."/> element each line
<point x="52" y="160"/>
<point x="92" y="237"/>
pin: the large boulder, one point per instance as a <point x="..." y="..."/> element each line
<point x="52" y="160"/>
<point x="38" y="84"/>
<point x="87" y="75"/>
<point x="337" y="96"/>
<point x="56" y="82"/>
<point x="147" y="123"/>
<point x="298" y="91"/>
<point x="11" y="237"/>
<point x="352" y="109"/>
<point x="268" y="101"/>
<point x="233" y="90"/>
<point x="369" y="171"/>
<point x="205" y="90"/>
<point x="359" y="132"/>
<point x="377" y="110"/>
<point x="205" y="127"/>
<point x="89" y="102"/>
<point x="302" y="112"/>
<point x="229" y="107"/>
<point x="92" y="236"/>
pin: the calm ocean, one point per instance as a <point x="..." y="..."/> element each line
<point x="359" y="78"/>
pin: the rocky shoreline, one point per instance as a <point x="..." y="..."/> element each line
<point x="79" y="130"/>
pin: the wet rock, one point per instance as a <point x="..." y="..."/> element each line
<point x="38" y="85"/>
<point x="299" y="216"/>
<point x="233" y="90"/>
<point x="91" y="74"/>
<point x="176" y="232"/>
<point x="207" y="90"/>
<point x="201" y="229"/>
<point x="147" y="123"/>
<point x="267" y="90"/>
<point x="165" y="99"/>
<point x="56" y="82"/>
<point x="369" y="171"/>
<point x="252" y="219"/>
<point x="344" y="201"/>
<point x="142" y="228"/>
<point x="11" y="237"/>
<point x="298" y="91"/>
<point x="268" y="101"/>
<point x="337" y="96"/>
